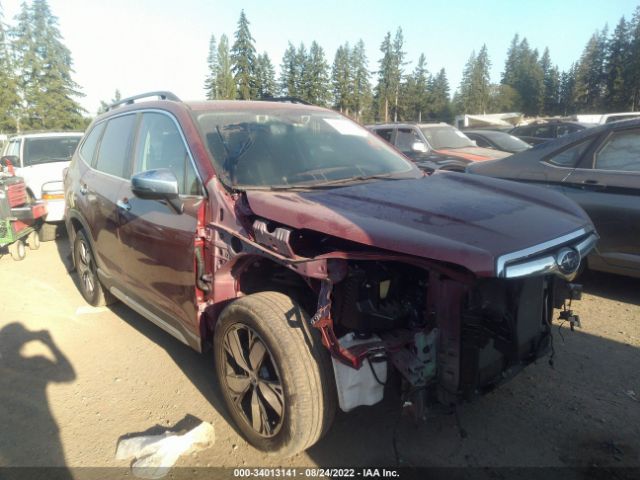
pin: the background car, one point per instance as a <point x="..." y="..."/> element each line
<point x="40" y="159"/>
<point x="542" y="132"/>
<point x="497" y="140"/>
<point x="600" y="169"/>
<point x="449" y="148"/>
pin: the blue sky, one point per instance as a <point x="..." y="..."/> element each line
<point x="143" y="45"/>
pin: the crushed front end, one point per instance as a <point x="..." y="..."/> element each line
<point x="448" y="334"/>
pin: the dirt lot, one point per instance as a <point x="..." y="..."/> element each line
<point x="74" y="379"/>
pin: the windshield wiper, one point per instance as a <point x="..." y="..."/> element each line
<point x="342" y="181"/>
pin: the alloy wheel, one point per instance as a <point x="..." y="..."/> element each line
<point x="253" y="381"/>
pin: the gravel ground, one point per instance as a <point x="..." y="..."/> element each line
<point x="75" y="379"/>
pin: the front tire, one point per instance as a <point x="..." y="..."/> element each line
<point x="275" y="375"/>
<point x="88" y="281"/>
<point x="17" y="250"/>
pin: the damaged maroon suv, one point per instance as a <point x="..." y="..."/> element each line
<point x="313" y="259"/>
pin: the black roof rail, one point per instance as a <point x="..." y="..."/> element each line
<point x="162" y="95"/>
<point x="285" y="100"/>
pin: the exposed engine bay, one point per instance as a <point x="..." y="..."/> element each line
<point x="445" y="333"/>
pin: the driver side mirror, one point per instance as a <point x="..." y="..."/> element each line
<point x="419" y="147"/>
<point x="158" y="184"/>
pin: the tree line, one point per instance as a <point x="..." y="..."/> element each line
<point x="606" y="78"/>
<point x="37" y="91"/>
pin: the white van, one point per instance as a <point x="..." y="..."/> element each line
<point x="40" y="159"/>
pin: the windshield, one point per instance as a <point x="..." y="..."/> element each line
<point x="289" y="148"/>
<point x="509" y="142"/>
<point x="49" y="150"/>
<point x="445" y="136"/>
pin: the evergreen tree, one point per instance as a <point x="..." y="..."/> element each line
<point x="389" y="76"/>
<point x="210" y="83"/>
<point x="225" y="82"/>
<point x="550" y="85"/>
<point x="341" y="79"/>
<point x="589" y="89"/>
<point x="567" y="91"/>
<point x="523" y="72"/>
<point x="290" y="72"/>
<point x="265" y="77"/>
<point x="361" y="86"/>
<point x="475" y="87"/>
<point x="44" y="68"/>
<point x="439" y="101"/>
<point x="415" y="100"/>
<point x="117" y="96"/>
<point x="316" y="76"/>
<point x="632" y="77"/>
<point x="617" y="61"/>
<point x="9" y="98"/>
<point x="243" y="57"/>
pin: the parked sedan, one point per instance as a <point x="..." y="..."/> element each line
<point x="434" y="146"/>
<point x="600" y="169"/>
<point x="542" y="132"/>
<point x="497" y="140"/>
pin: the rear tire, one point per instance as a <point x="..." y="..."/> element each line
<point x="33" y="240"/>
<point x="88" y="282"/>
<point x="275" y="375"/>
<point x="17" y="250"/>
<point x="48" y="232"/>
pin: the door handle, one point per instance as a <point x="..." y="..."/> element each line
<point x="124" y="205"/>
<point x="83" y="189"/>
<point x="594" y="185"/>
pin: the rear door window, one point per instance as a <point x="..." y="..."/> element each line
<point x="113" y="155"/>
<point x="160" y="145"/>
<point x="570" y="157"/>
<point x="620" y="152"/>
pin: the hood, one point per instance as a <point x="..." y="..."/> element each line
<point x="37" y="175"/>
<point x="475" y="154"/>
<point x="452" y="217"/>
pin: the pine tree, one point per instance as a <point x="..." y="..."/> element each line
<point x="243" y="57"/>
<point x="632" y="77"/>
<point x="416" y="94"/>
<point x="265" y="77"/>
<point x="550" y="85"/>
<point x="439" y="101"/>
<point x="9" y="98"/>
<point x="316" y="76"/>
<point x="225" y="83"/>
<point x="361" y="86"/>
<point x="617" y="61"/>
<point x="289" y="72"/>
<point x="210" y="83"/>
<point x="341" y="79"/>
<point x="389" y="76"/>
<point x="117" y="96"/>
<point x="589" y="76"/>
<point x="567" y="91"/>
<point x="44" y="69"/>
<point x="524" y="74"/>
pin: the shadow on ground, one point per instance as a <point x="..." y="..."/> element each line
<point x="29" y="434"/>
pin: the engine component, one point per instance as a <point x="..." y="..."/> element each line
<point x="363" y="386"/>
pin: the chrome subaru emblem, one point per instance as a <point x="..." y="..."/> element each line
<point x="568" y="260"/>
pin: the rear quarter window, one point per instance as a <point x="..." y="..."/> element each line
<point x="88" y="148"/>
